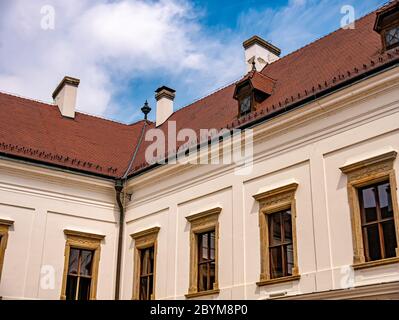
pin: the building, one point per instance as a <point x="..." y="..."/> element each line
<point x="83" y="215"/>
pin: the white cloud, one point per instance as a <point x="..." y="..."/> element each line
<point x="108" y="43"/>
<point x="105" y="43"/>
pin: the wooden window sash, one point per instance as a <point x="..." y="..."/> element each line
<point x="4" y="230"/>
<point x="82" y="241"/>
<point x="144" y="239"/>
<point x="202" y="222"/>
<point x="362" y="174"/>
<point x="274" y="201"/>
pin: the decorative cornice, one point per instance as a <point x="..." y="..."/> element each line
<point x="271" y="193"/>
<point x="203" y="214"/>
<point x="6" y="222"/>
<point x="367" y="291"/>
<point x="82" y="234"/>
<point x="388" y="156"/>
<point x="144" y="233"/>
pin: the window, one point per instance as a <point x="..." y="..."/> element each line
<point x="82" y="257"/>
<point x="146" y="273"/>
<point x="206" y="260"/>
<point x="245" y="105"/>
<point x="280" y="244"/>
<point x="79" y="276"/>
<point x="392" y="37"/>
<point x="277" y="215"/>
<point x="387" y="25"/>
<point x="145" y="243"/>
<point x="204" y="235"/>
<point x="374" y="212"/>
<point x="4" y="228"/>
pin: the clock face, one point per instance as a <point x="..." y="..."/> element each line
<point x="245" y="105"/>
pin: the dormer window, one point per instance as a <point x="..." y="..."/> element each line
<point x="387" y="25"/>
<point x="251" y="91"/>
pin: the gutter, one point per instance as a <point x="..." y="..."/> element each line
<point x="119" y="189"/>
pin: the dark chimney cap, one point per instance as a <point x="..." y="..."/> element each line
<point x="164" y="92"/>
<point x="263" y="43"/>
<point x="165" y="88"/>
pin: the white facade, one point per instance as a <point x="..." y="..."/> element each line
<point x="307" y="145"/>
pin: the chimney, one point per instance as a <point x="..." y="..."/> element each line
<point x="65" y="96"/>
<point x="164" y="97"/>
<point x="260" y="51"/>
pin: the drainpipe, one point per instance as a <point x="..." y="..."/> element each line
<point x="119" y="194"/>
<point x="119" y="184"/>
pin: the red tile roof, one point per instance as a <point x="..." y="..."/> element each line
<point x="37" y="131"/>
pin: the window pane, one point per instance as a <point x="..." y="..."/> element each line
<point x="274" y="229"/>
<point x="212" y="246"/>
<point x="73" y="261"/>
<point x="147" y="261"/>
<point x="202" y="277"/>
<point x="276" y="263"/>
<point x="289" y="258"/>
<point x="372" y="242"/>
<point x="150" y="286"/>
<point x="212" y="272"/>
<point x="84" y="288"/>
<point x="143" y="288"/>
<point x="71" y="284"/>
<point x="384" y="195"/>
<point x="86" y="262"/>
<point x="389" y="239"/>
<point x="204" y="247"/>
<point x="369" y="204"/>
<point x="392" y="36"/>
<point x="287" y="226"/>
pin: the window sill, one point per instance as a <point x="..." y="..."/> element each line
<point x="278" y="280"/>
<point x="376" y="263"/>
<point x="202" y="293"/>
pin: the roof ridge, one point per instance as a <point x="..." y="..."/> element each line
<point x="320" y="38"/>
<point x="48" y="104"/>
<point x="25" y="98"/>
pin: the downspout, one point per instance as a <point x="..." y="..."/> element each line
<point x="119" y="186"/>
<point x="118" y="189"/>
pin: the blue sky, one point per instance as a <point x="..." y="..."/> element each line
<point x="122" y="50"/>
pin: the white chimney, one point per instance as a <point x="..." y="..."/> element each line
<point x="65" y="96"/>
<point x="164" y="97"/>
<point x="260" y="51"/>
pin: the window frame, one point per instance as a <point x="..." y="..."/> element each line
<point x="362" y="174"/>
<point x="273" y="201"/>
<point x="84" y="241"/>
<point x="384" y="35"/>
<point x="4" y="229"/>
<point x="201" y="223"/>
<point x="143" y="240"/>
<point x="208" y="262"/>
